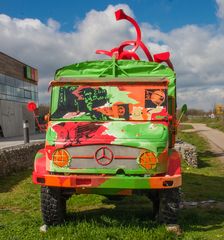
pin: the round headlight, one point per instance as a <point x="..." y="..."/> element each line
<point x="148" y="160"/>
<point x="61" y="158"/>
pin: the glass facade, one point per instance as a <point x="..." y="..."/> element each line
<point x="17" y="90"/>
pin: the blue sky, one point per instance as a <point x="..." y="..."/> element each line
<point x="166" y="14"/>
<point x="50" y="34"/>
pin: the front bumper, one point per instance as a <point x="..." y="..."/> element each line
<point x="108" y="181"/>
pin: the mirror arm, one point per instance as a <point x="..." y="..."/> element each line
<point x="183" y="111"/>
<point x="42" y="127"/>
<point x="178" y="122"/>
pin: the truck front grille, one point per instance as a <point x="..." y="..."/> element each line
<point x="104" y="157"/>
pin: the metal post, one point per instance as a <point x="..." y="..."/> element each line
<point x="26" y="135"/>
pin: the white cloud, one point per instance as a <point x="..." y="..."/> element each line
<point x="204" y="97"/>
<point x="45" y="47"/>
<point x="196" y="51"/>
<point x="53" y="24"/>
<point x="220" y="12"/>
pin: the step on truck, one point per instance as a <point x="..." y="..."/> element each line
<point x="111" y="131"/>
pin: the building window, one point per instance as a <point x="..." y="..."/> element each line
<point x="2" y="78"/>
<point x="2" y="88"/>
<point x="10" y="81"/>
<point x="17" y="90"/>
<point x="2" y="96"/>
<point x="27" y="94"/>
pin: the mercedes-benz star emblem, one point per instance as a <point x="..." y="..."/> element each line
<point x="104" y="156"/>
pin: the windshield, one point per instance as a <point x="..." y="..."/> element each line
<point x="103" y="103"/>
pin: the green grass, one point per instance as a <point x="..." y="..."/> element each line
<point x="193" y="138"/>
<point x="89" y="216"/>
<point x="217" y="124"/>
<point x="185" y="127"/>
<point x="206" y="181"/>
<point x="95" y="217"/>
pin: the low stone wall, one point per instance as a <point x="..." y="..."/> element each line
<point x="16" y="158"/>
<point x="188" y="153"/>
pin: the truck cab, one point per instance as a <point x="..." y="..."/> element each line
<point x="111" y="131"/>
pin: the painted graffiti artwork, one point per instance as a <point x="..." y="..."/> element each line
<point x="125" y="102"/>
<point x="111" y="131"/>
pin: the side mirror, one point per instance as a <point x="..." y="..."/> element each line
<point x="183" y="111"/>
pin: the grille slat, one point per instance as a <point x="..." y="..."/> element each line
<point x="83" y="157"/>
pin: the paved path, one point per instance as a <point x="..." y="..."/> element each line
<point x="214" y="137"/>
<point x="14" y="141"/>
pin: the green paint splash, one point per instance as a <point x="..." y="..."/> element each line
<point x="116" y="95"/>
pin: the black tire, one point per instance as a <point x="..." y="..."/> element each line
<point x="165" y="205"/>
<point x="53" y="205"/>
<point x="153" y="195"/>
<point x="169" y="204"/>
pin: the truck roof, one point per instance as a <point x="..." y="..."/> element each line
<point x="121" y="70"/>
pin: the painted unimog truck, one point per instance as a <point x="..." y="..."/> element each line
<point x="111" y="131"/>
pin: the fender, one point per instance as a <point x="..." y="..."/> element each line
<point x="174" y="163"/>
<point x="39" y="165"/>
